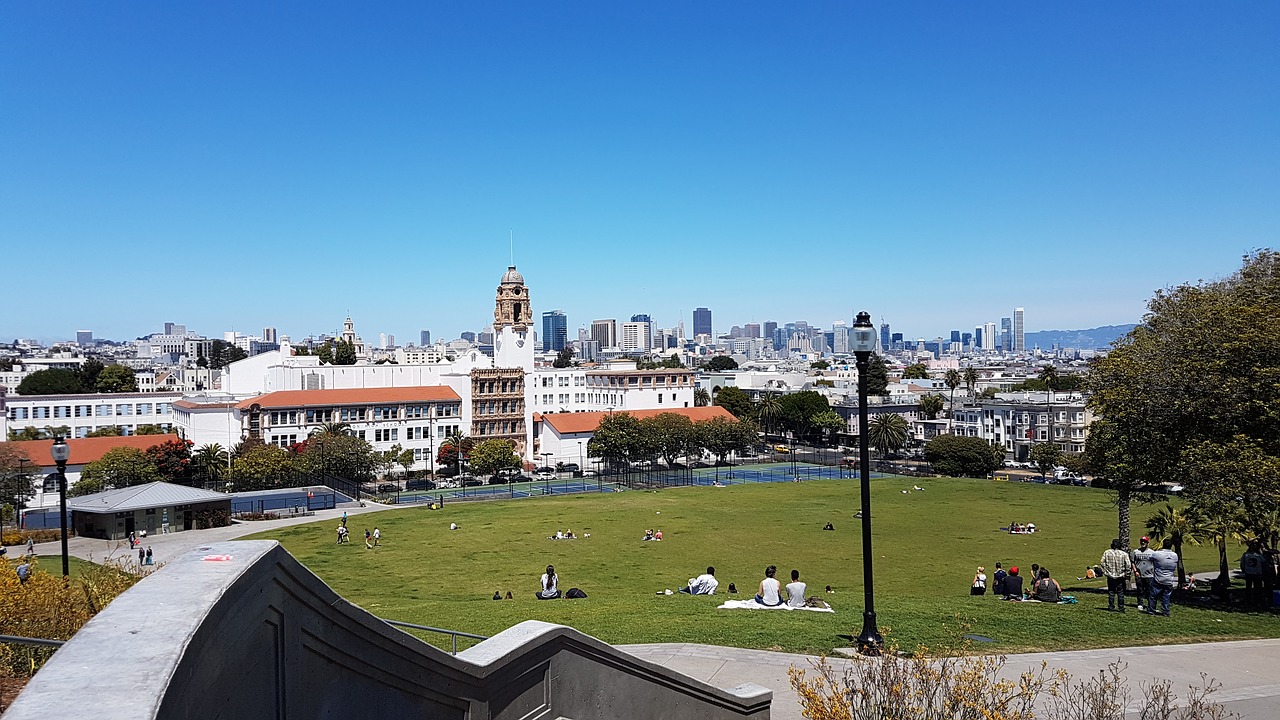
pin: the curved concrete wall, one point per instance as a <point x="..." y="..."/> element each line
<point x="242" y="630"/>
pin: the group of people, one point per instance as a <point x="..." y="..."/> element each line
<point x="1008" y="585"/>
<point x="565" y="535"/>
<point x="770" y="593"/>
<point x="1021" y="528"/>
<point x="1259" y="567"/>
<point x="145" y="557"/>
<point x="371" y="539"/>
<point x="652" y="535"/>
<point x="1154" y="574"/>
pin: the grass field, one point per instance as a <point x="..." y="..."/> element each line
<point x="926" y="544"/>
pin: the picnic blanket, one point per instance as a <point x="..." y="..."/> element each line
<point x="753" y="605"/>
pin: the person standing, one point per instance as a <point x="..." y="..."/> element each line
<point x="1164" y="577"/>
<point x="31" y="546"/>
<point x="1143" y="569"/>
<point x="1251" y="565"/>
<point x="1117" y="567"/>
<point x="377" y="537"/>
<point x="150" y="561"/>
<point x="142" y="556"/>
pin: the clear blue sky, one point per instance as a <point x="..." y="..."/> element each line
<point x="240" y="165"/>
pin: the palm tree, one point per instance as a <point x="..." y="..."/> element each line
<point x="952" y="380"/>
<point x="333" y="428"/>
<point x="701" y="398"/>
<point x="888" y="432"/>
<point x="212" y="460"/>
<point x="931" y="404"/>
<point x="971" y="379"/>
<point x="769" y="409"/>
<point x="1049" y="374"/>
<point x="1179" y="526"/>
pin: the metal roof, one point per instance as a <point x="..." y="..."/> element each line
<point x="142" y="497"/>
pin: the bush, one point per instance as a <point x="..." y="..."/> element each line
<point x="963" y="456"/>
<point x="19" y="537"/>
<point x="206" y="519"/>
<point x="257" y="516"/>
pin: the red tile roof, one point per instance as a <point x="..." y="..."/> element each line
<point x="87" y="450"/>
<point x="566" y="423"/>
<point x="357" y="396"/>
<point x="188" y="405"/>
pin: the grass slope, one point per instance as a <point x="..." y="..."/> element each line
<point x="927" y="546"/>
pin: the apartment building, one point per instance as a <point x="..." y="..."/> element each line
<point x="80" y="415"/>
<point x="1018" y="421"/>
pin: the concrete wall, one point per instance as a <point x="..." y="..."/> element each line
<point x="242" y="630"/>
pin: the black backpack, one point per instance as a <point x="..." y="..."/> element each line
<point x="574" y="594"/>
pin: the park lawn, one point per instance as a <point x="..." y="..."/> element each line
<point x="927" y="546"/>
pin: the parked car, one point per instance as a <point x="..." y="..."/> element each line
<point x="590" y="473"/>
<point x="781" y="448"/>
<point x="469" y="481"/>
<point x="567" y="467"/>
<point x="545" y="469"/>
<point x="419" y="484"/>
<point x="544" y="474"/>
<point x="388" y="488"/>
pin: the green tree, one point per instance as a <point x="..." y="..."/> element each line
<point x="26" y="433"/>
<point x="931" y="404"/>
<point x="877" y="376"/>
<point x="89" y="372"/>
<point x="1228" y="483"/>
<point x="117" y="379"/>
<point x="735" y="400"/>
<point x="672" y="362"/>
<point x="916" y="370"/>
<point x="721" y="363"/>
<point x="117" y="468"/>
<point x="344" y="353"/>
<point x="769" y="410"/>
<point x="1179" y="526"/>
<point x="261" y="467"/>
<point x="987" y="393"/>
<point x="962" y="456"/>
<point x="701" y="398"/>
<point x="1045" y="456"/>
<point x="564" y="358"/>
<point x="671" y="435"/>
<point x="17" y="475"/>
<point x="799" y="409"/>
<point x="820" y="365"/>
<point x="971" y="379"/>
<point x="952" y="380"/>
<point x="54" y="381"/>
<point x="490" y="456"/>
<point x="1049" y="376"/>
<point x="722" y="436"/>
<point x="150" y="429"/>
<point x="211" y="462"/>
<point x="106" y="431"/>
<point x="888" y="432"/>
<point x="830" y="424"/>
<point x="337" y="454"/>
<point x="1111" y="461"/>
<point x="616" y="439"/>
<point x="172" y="460"/>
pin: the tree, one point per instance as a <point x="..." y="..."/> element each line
<point x="17" y="475"/>
<point x="54" y="381"/>
<point x="490" y="456"/>
<point x="888" y="432"/>
<point x="820" y="365"/>
<point x="721" y="363"/>
<point x="877" y="376"/>
<point x="117" y="379"/>
<point x="106" y="431"/>
<point x="1045" y="457"/>
<point x="735" y="400"/>
<point x="150" y="429"/>
<point x="1049" y="375"/>
<point x="616" y="439"/>
<point x="768" y="410"/>
<point x="971" y="379"/>
<point x="89" y="372"/>
<point x="260" y="467"/>
<point x="799" y="409"/>
<point x="337" y="454"/>
<point x="671" y="435"/>
<point x="1199" y="372"/>
<point x="344" y="353"/>
<point x="211" y="462"/>
<point x="117" y="468"/>
<point x="701" y="398"/>
<point x="1110" y="460"/>
<point x="962" y="456"/>
<point x="564" y="358"/>
<point x="1179" y="526"/>
<point x="952" y="380"/>
<point x="1227" y="484"/>
<point x="829" y="423"/>
<point x="26" y="433"/>
<point x="916" y="370"/>
<point x="172" y="460"/>
<point x="722" y="436"/>
<point x="931" y="404"/>
<point x="672" y="362"/>
<point x="987" y="393"/>
<point x="334" y="428"/>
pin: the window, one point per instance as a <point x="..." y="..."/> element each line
<point x="659" y="398"/>
<point x="144" y="408"/>
<point x="124" y="410"/>
<point x="352" y="414"/>
<point x="164" y="409"/>
<point x="386" y="412"/>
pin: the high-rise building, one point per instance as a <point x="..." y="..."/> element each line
<point x="989" y="336"/>
<point x="977" y="338"/>
<point x="895" y="341"/>
<point x="641" y="318"/>
<point x="769" y="328"/>
<point x="1006" y="335"/>
<point x="751" y="330"/>
<point x="636" y="336"/>
<point x="84" y="338"/>
<point x="966" y="340"/>
<point x="468" y="336"/>
<point x="555" y="330"/>
<point x="605" y="332"/>
<point x="955" y="336"/>
<point x="1019" y="335"/>
<point x="839" y="337"/>
<point x="424" y="338"/>
<point x="886" y="338"/>
<point x="269" y="335"/>
<point x="701" y="321"/>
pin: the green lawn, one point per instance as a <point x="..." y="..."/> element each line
<point x="927" y="546"/>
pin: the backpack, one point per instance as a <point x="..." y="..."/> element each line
<point x="574" y="594"/>
<point x="1252" y="564"/>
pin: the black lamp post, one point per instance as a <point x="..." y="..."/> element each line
<point x="863" y="341"/>
<point x="61" y="453"/>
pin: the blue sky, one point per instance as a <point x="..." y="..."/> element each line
<point x="240" y="165"/>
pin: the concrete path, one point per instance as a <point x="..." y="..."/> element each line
<point x="1249" y="671"/>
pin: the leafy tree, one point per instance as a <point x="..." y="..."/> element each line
<point x="150" y="429"/>
<point x="722" y="436"/>
<point x="671" y="435"/>
<point x="917" y="370"/>
<point x="931" y="404"/>
<point x="1049" y="376"/>
<point x="720" y="363"/>
<point x="829" y="423"/>
<point x="962" y="456"/>
<point x="820" y="365"/>
<point x="1178" y="525"/>
<point x="1227" y="484"/>
<point x="971" y="379"/>
<point x="987" y="393"/>
<point x="888" y="432"/>
<point x="117" y="379"/>
<point x="334" y="428"/>
<point x="211" y="462"/>
<point x="616" y="439"/>
<point x="952" y="380"/>
<point x="325" y="353"/>
<point x="769" y="410"/>
<point x="799" y="409"/>
<point x="1112" y="461"/>
<point x="172" y="460"/>
<point x="877" y="376"/>
<point x="344" y="353"/>
<point x="89" y="372"/>
<point x="490" y="456"/>
<point x="117" y="468"/>
<point x="260" y="467"/>
<point x="54" y="381"/>
<point x="701" y="398"/>
<point x="338" y="454"/>
<point x="673" y="362"/>
<point x="234" y="353"/>
<point x="735" y="400"/>
<point x="17" y="475"/>
<point x="1045" y="456"/>
<point x="106" y="431"/>
<point x="26" y="433"/>
<point x="564" y="358"/>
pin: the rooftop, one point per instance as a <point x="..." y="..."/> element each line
<point x="566" y="423"/>
<point x="87" y="450"/>
<point x="357" y="396"/>
<point x="141" y="497"/>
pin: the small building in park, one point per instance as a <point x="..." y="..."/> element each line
<point x="157" y="507"/>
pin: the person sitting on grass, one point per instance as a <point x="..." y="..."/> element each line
<point x="1013" y="585"/>
<point x="796" y="590"/>
<point x="1045" y="588"/>
<point x="769" y="587"/>
<point x="648" y="534"/>
<point x="549" y="591"/>
<point x="704" y="584"/>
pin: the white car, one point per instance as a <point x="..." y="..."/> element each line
<point x="544" y="475"/>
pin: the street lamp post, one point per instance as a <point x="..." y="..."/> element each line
<point x="61" y="453"/>
<point x="864" y="342"/>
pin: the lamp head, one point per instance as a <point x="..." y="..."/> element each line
<point x="862" y="339"/>
<point x="61" y="452"/>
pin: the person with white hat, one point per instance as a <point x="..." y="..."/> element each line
<point x="1143" y="569"/>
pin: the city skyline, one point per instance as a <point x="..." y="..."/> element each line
<point x="926" y="163"/>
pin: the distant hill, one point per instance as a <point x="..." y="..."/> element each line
<point x="1093" y="338"/>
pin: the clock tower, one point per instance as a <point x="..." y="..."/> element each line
<point x="512" y="341"/>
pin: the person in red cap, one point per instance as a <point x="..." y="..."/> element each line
<point x="1143" y="569"/>
<point x="1013" y="585"/>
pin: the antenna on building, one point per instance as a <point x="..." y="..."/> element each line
<point x="511" y="243"/>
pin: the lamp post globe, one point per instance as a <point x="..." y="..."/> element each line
<point x="61" y="453"/>
<point x="863" y="343"/>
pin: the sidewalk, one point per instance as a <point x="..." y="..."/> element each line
<point x="1249" y="670"/>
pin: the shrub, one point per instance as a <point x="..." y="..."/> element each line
<point x="219" y="517"/>
<point x="19" y="537"/>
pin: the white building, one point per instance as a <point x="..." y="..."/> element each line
<point x="1018" y="421"/>
<point x="563" y="437"/>
<point x="575" y="390"/>
<point x="82" y="414"/>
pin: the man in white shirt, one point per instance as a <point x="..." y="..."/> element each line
<point x="704" y="584"/>
<point x="795" y="590"/>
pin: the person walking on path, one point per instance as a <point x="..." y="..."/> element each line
<point x="31" y="546"/>
<point x="1251" y="565"/>
<point x="1117" y="567"/>
<point x="142" y="556"/>
<point x="1143" y="569"/>
<point x="150" y="561"/>
<point x="1165" y="577"/>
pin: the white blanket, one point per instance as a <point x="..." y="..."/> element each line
<point x="753" y="605"/>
